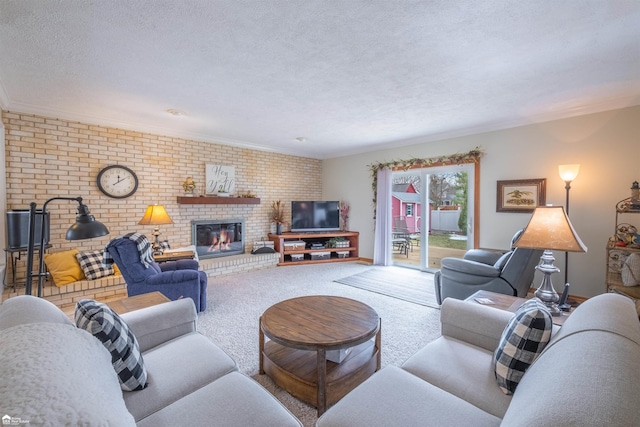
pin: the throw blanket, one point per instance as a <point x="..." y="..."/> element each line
<point x="144" y="249"/>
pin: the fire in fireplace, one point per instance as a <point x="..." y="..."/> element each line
<point x="216" y="238"/>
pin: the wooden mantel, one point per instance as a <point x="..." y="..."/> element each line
<point x="216" y="200"/>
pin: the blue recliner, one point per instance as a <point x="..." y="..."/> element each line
<point x="174" y="279"/>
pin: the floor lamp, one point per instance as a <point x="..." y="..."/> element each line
<point x="568" y="173"/>
<point x="85" y="227"/>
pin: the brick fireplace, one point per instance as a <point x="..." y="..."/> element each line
<point x="217" y="238"/>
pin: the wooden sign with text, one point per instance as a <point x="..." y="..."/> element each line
<point x="220" y="179"/>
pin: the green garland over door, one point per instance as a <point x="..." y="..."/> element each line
<point x="472" y="156"/>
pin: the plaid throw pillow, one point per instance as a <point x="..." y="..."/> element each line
<point x="105" y="324"/>
<point x="92" y="266"/>
<point x="522" y="341"/>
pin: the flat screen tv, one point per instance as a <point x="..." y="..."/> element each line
<point x="315" y="216"/>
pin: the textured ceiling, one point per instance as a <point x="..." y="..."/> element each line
<point x="348" y="75"/>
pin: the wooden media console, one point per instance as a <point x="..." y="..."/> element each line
<point x="306" y="255"/>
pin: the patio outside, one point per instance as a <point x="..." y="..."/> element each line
<point x="445" y="208"/>
<point x="441" y="245"/>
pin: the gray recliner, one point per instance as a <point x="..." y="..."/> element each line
<point x="509" y="273"/>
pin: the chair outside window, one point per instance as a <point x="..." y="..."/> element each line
<point x="401" y="237"/>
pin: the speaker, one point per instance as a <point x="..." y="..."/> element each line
<point x="18" y="228"/>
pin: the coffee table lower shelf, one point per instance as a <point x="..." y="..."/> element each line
<point x="296" y="371"/>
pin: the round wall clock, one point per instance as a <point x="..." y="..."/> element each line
<point x="117" y="181"/>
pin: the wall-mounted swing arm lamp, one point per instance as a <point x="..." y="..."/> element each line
<point x="85" y="227"/>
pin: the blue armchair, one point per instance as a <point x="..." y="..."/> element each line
<point x="174" y="279"/>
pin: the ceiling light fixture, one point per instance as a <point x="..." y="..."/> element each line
<point x="176" y="113"/>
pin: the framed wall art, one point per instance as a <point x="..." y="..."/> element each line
<point x="221" y="180"/>
<point x="521" y="195"/>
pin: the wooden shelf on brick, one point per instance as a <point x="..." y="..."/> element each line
<point x="214" y="200"/>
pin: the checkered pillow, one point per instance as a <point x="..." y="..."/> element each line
<point x="104" y="324"/>
<point x="92" y="266"/>
<point x="164" y="245"/>
<point x="522" y="341"/>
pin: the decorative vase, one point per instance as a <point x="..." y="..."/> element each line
<point x="278" y="228"/>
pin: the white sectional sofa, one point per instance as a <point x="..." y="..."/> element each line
<point x="53" y="373"/>
<point x="588" y="375"/>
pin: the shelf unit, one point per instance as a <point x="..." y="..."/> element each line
<point x="617" y="254"/>
<point x="217" y="200"/>
<point x="285" y="255"/>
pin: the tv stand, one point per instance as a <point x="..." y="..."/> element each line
<point x="285" y="255"/>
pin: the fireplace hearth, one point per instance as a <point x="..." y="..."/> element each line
<point x="217" y="238"/>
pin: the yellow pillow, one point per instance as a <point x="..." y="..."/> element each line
<point x="116" y="270"/>
<point x="64" y="267"/>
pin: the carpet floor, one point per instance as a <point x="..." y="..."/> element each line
<point x="236" y="302"/>
<point x="403" y="283"/>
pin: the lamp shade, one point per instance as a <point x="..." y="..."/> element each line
<point x="155" y="215"/>
<point x="568" y="172"/>
<point x="550" y="228"/>
<point x="86" y="226"/>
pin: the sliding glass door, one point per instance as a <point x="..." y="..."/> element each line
<point x="432" y="214"/>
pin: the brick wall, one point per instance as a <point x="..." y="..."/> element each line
<point x="48" y="157"/>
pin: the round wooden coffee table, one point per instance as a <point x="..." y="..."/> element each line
<point x="302" y="330"/>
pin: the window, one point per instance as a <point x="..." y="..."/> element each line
<point x="409" y="209"/>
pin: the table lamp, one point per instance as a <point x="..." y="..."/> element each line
<point x="549" y="229"/>
<point x="156" y="215"/>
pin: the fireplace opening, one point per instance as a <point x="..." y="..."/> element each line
<point x="216" y="238"/>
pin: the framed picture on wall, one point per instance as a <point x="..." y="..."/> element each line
<point x="221" y="180"/>
<point x="521" y="195"/>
